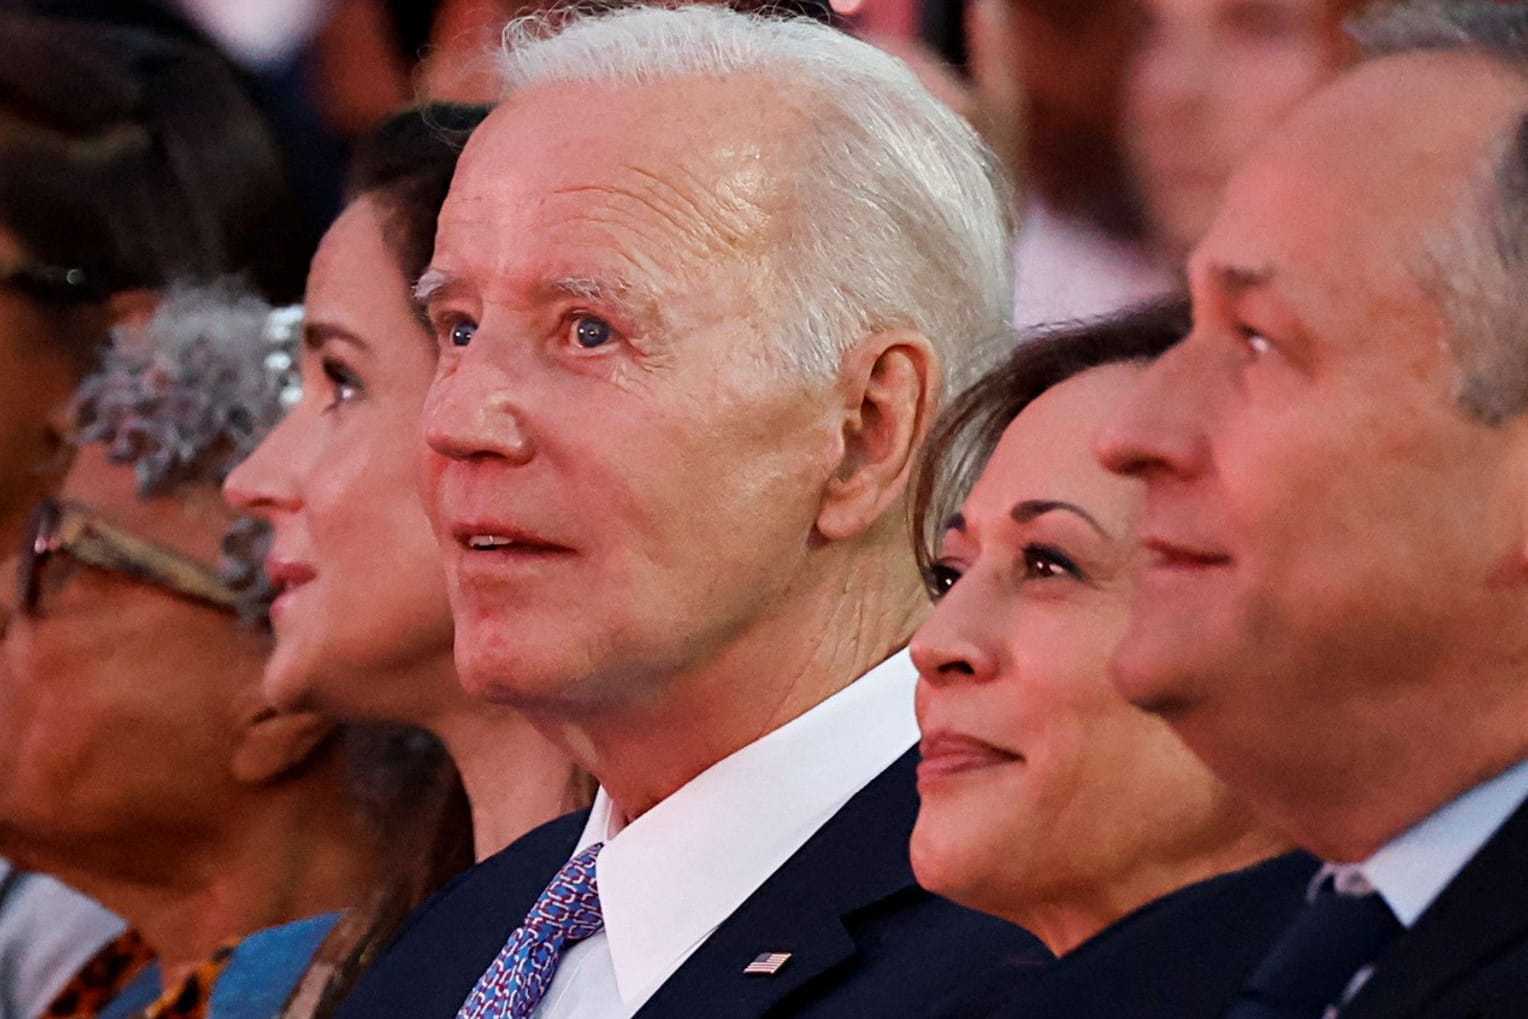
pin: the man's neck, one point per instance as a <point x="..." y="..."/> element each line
<point x="641" y="753"/>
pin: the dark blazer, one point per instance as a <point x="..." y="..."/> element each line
<point x="1467" y="955"/>
<point x="865" y="940"/>
<point x="1184" y="956"/>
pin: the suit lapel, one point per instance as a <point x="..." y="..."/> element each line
<point x="528" y="865"/>
<point x="1482" y="910"/>
<point x="806" y="908"/>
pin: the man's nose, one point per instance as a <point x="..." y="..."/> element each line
<point x="474" y="410"/>
<point x="1159" y="426"/>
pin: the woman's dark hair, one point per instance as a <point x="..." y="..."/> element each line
<point x="405" y="164"/>
<point x="967" y="431"/>
<point x="136" y="161"/>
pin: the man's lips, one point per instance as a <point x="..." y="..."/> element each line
<point x="490" y="537"/>
<point x="948" y="753"/>
<point x="1176" y="556"/>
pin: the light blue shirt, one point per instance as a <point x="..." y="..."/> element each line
<point x="260" y="975"/>
<point x="1412" y="870"/>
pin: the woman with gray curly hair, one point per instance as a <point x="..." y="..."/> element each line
<point x="139" y="760"/>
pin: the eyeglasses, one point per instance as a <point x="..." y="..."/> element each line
<point x="62" y="284"/>
<point x="72" y="530"/>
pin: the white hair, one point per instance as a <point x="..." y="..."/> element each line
<point x="904" y="215"/>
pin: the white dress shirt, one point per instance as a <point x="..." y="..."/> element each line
<point x="47" y="932"/>
<point x="668" y="879"/>
<point x="1412" y="870"/>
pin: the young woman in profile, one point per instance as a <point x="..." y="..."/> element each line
<point x="363" y="628"/>
<point x="1047" y="799"/>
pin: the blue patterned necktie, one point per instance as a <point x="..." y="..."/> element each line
<point x="1307" y="972"/>
<point x="568" y="911"/>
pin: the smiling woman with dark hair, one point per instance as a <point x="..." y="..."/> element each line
<point x="1047" y="799"/>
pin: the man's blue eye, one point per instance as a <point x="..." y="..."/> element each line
<point x="591" y="332"/>
<point x="461" y="333"/>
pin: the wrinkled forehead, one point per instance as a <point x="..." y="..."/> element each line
<point x="699" y="163"/>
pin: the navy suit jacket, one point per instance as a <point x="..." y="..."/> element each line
<point x="1467" y="955"/>
<point x="1184" y="956"/>
<point x="865" y="940"/>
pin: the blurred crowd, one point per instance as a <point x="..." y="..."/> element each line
<point x="883" y="508"/>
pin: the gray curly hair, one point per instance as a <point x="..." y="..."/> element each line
<point x="184" y="399"/>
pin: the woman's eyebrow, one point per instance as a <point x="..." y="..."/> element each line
<point x="1029" y="509"/>
<point x="316" y="334"/>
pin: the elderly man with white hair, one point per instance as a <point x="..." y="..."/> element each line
<point x="699" y="285"/>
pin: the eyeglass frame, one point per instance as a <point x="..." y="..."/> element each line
<point x="67" y="284"/>
<point x="59" y="526"/>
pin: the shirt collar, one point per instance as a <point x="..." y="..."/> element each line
<point x="1413" y="869"/>
<point x="669" y="878"/>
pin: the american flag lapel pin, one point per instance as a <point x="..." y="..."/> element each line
<point x="767" y="964"/>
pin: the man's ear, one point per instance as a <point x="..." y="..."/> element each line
<point x="272" y="743"/>
<point x="889" y="383"/>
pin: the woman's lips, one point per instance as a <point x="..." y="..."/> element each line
<point x="288" y="577"/>
<point x="949" y="754"/>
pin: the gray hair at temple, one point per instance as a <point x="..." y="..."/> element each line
<point x="183" y="399"/>
<point x="1477" y="265"/>
<point x="902" y="214"/>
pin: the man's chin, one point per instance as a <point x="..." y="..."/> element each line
<point x="1154" y="674"/>
<point x="508" y="679"/>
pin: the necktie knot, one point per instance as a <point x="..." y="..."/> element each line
<point x="1310" y="967"/>
<point x="568" y="910"/>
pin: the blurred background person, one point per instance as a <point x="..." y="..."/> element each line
<point x="1210" y="80"/>
<point x="1047" y="799"/>
<point x="363" y="627"/>
<point x="1048" y="79"/>
<point x="1123" y="119"/>
<point x="140" y="760"/>
<point x="126" y="161"/>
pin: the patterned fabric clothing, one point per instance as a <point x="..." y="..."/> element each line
<point x="101" y="980"/>
<point x="245" y="979"/>
<point x="191" y="998"/>
<point x="567" y="911"/>
<point x="116" y="967"/>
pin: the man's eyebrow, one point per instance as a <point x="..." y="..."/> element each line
<point x="433" y="284"/>
<point x="955" y="522"/>
<point x="616" y="293"/>
<point x="1029" y="509"/>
